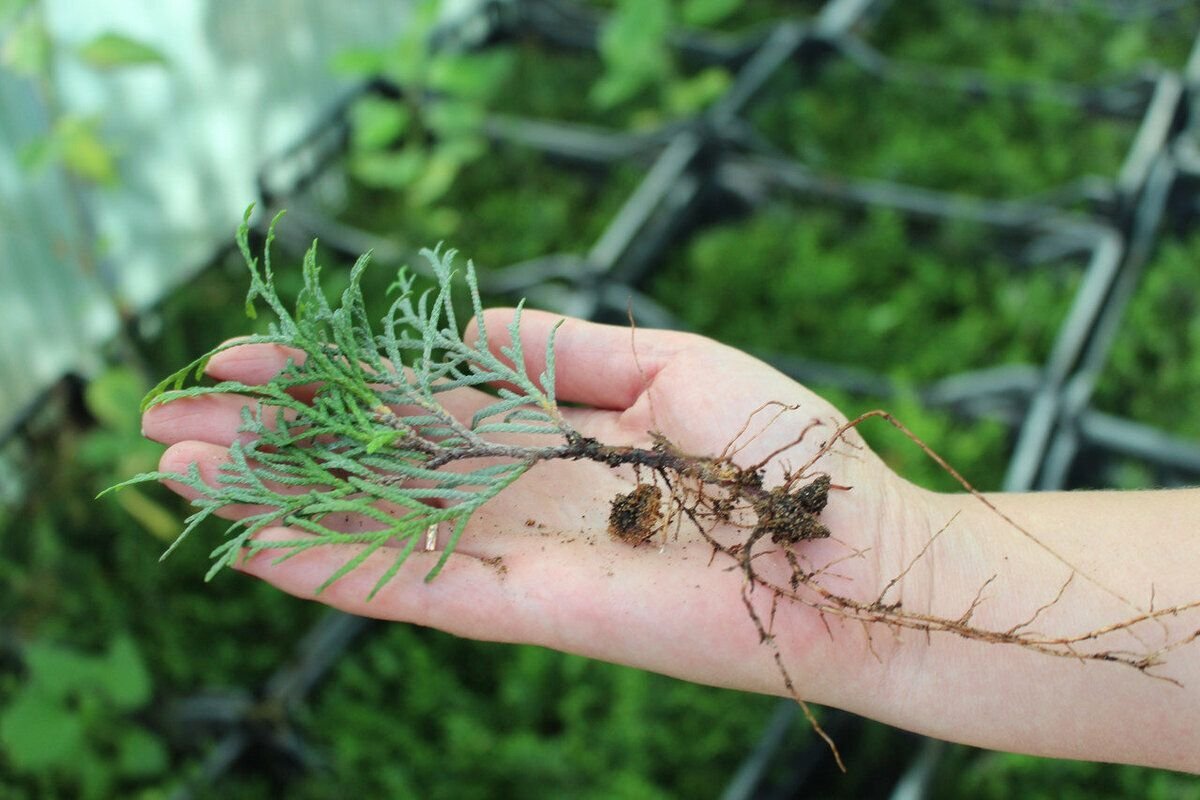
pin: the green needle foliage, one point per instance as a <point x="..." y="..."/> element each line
<point x="359" y="463"/>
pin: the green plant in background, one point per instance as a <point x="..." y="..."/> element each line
<point x="1082" y="41"/>
<point x="641" y="62"/>
<point x="1155" y="361"/>
<point x="838" y="118"/>
<point x="511" y="721"/>
<point x="881" y="272"/>
<point x="74" y="141"/>
<point x="638" y="58"/>
<point x="842" y="120"/>
<point x="508" y="208"/>
<point x="117" y="443"/>
<point x="69" y="727"/>
<point x="418" y="142"/>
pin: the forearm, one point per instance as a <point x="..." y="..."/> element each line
<point x="1131" y="553"/>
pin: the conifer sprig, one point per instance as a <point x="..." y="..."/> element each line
<point x="372" y="442"/>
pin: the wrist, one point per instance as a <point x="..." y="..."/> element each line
<point x="1048" y="567"/>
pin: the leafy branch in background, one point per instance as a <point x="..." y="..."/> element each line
<point x="418" y="131"/>
<point x="71" y="724"/>
<point x="639" y="57"/>
<point x="419" y="139"/>
<point x="74" y="140"/>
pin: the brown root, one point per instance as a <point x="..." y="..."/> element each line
<point x="707" y="491"/>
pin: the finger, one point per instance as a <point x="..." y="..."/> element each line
<point x="660" y="380"/>
<point x="257" y="364"/>
<point x="219" y="418"/>
<point x="209" y="460"/>
<point x="212" y="418"/>
<point x="594" y="363"/>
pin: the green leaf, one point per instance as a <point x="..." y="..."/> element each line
<point x="57" y="671"/>
<point x="140" y="754"/>
<point x="358" y="558"/>
<point x="112" y="50"/>
<point x="388" y="170"/>
<point x="689" y="95"/>
<point x="358" y="62"/>
<point x="126" y="678"/>
<point x="38" y="733"/>
<point x="452" y="119"/>
<point x="464" y="149"/>
<point x="113" y="397"/>
<point x="441" y="168"/>
<point x="376" y="122"/>
<point x="703" y="13"/>
<point x="75" y="142"/>
<point x="383" y="439"/>
<point x="474" y="76"/>
<point x="93" y="774"/>
<point x="407" y="62"/>
<point x="9" y="9"/>
<point x="38" y="153"/>
<point x="633" y="44"/>
<point x="26" y="48"/>
<point x="83" y="151"/>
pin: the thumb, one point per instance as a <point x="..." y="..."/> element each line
<point x="594" y="364"/>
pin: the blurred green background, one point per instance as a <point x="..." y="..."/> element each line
<point x="135" y="134"/>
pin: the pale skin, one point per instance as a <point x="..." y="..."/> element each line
<point x="563" y="582"/>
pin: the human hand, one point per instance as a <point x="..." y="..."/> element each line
<point x="537" y="564"/>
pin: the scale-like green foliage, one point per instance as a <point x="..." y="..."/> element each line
<point x="368" y="445"/>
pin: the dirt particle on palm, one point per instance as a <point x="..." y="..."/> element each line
<point x="496" y="563"/>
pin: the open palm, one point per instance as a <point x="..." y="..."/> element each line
<point x="536" y="564"/>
